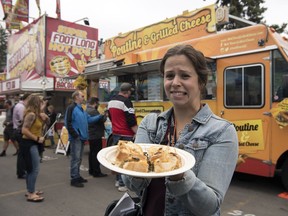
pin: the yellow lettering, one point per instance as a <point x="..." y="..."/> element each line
<point x="127" y="47"/>
<point x="80" y="51"/>
<point x="187" y="25"/>
<point x="72" y="31"/>
<point x="59" y="47"/>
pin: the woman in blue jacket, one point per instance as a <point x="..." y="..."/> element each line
<point x="191" y="126"/>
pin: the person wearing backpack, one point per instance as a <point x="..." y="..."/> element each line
<point x="8" y="131"/>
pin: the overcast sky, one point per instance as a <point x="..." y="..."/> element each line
<point x="113" y="16"/>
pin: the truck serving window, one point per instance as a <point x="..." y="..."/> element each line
<point x="280" y="77"/>
<point x="243" y="86"/>
<point x="148" y="86"/>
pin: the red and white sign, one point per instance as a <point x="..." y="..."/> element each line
<point x="64" y="84"/>
<point x="69" y="47"/>
<point x="11" y="85"/>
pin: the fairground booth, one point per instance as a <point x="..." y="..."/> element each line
<point x="42" y="56"/>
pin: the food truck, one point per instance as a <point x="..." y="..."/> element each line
<point x="247" y="84"/>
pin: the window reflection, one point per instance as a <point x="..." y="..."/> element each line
<point x="244" y="86"/>
<point x="280" y="76"/>
<point x="148" y="87"/>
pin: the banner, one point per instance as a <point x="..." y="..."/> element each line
<point x="38" y="5"/>
<point x="189" y="25"/>
<point x="58" y="9"/>
<point x="7" y="7"/>
<point x="25" y="53"/>
<point x="21" y="11"/>
<point x="69" y="47"/>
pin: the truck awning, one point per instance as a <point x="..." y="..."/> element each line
<point x="117" y="69"/>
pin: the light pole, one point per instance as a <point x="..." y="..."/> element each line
<point x="43" y="83"/>
<point x="85" y="19"/>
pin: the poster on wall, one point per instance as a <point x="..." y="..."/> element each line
<point x="69" y="47"/>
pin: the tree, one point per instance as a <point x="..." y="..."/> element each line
<point x="3" y="48"/>
<point x="249" y="10"/>
<point x="280" y="29"/>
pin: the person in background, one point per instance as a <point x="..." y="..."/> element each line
<point x="96" y="132"/>
<point x="8" y="131"/>
<point x="124" y="125"/>
<point x="52" y="115"/>
<point x="44" y="129"/>
<point x="18" y="113"/>
<point x="76" y="122"/>
<point x="32" y="129"/>
<point x="189" y="125"/>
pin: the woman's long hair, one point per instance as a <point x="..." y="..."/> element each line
<point x="33" y="104"/>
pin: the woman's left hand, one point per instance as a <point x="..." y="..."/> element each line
<point x="41" y="140"/>
<point x="43" y="105"/>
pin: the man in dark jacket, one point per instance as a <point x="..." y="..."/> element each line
<point x="52" y="116"/>
<point x="76" y="122"/>
<point x="96" y="132"/>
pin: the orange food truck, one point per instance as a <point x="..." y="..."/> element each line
<point x="247" y="84"/>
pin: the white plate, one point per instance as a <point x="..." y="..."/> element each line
<point x="107" y="157"/>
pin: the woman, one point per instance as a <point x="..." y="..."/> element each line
<point x="191" y="126"/>
<point x="34" y="120"/>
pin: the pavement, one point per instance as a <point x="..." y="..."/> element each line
<point x="61" y="199"/>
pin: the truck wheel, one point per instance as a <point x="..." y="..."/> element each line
<point x="284" y="174"/>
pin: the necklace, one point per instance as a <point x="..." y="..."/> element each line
<point x="173" y="131"/>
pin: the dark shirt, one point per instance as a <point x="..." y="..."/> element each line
<point x="52" y="117"/>
<point x="95" y="129"/>
<point x="155" y="198"/>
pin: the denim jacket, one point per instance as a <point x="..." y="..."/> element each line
<point x="214" y="144"/>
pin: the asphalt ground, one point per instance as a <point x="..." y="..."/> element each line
<point x="257" y="197"/>
<point x="61" y="199"/>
